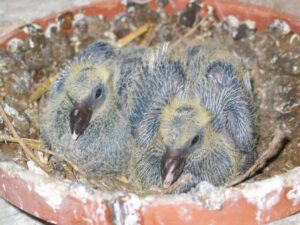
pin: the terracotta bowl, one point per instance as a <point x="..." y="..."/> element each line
<point x="65" y="202"/>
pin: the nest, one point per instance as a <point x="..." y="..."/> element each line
<point x="29" y="66"/>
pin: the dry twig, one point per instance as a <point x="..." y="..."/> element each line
<point x="62" y="158"/>
<point x="133" y="35"/>
<point x="38" y="145"/>
<point x="150" y="35"/>
<point x="274" y="147"/>
<point x="186" y="35"/>
<point x="41" y="90"/>
<point x="29" y="154"/>
<point x="111" y="183"/>
<point x="204" y="23"/>
<point x="31" y="143"/>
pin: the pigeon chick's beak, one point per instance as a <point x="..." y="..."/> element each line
<point x="80" y="117"/>
<point x="172" y="164"/>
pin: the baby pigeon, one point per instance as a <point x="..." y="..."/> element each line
<point x="83" y="120"/>
<point x="206" y="129"/>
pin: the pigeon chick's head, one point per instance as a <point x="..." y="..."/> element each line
<point x="183" y="128"/>
<point x="87" y="83"/>
<point x="89" y="89"/>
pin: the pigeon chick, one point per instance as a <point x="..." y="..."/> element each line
<point x="83" y="120"/>
<point x="198" y="129"/>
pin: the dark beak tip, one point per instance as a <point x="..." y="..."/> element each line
<point x="80" y="117"/>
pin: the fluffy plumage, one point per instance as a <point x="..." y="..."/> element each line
<point x="212" y="63"/>
<point x="83" y="120"/>
<point x="154" y="76"/>
<point x="206" y="129"/>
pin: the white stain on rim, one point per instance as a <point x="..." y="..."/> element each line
<point x="88" y="220"/>
<point x="210" y="196"/>
<point x="51" y="193"/>
<point x="101" y="211"/>
<point x="294" y="194"/>
<point x="20" y="201"/>
<point x="258" y="215"/>
<point x="184" y="213"/>
<point x="75" y="212"/>
<point x="132" y="217"/>
<point x="36" y="214"/>
<point x="264" y="194"/>
<point x="29" y="187"/>
<point x="35" y="169"/>
<point x="126" y="210"/>
<point x="80" y="191"/>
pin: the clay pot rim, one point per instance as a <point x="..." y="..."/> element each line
<point x="244" y="11"/>
<point x="63" y="201"/>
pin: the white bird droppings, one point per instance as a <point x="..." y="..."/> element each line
<point x="294" y="195"/>
<point x="264" y="194"/>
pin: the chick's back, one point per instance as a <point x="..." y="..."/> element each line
<point x="155" y="75"/>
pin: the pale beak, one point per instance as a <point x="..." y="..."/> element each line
<point x="172" y="165"/>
